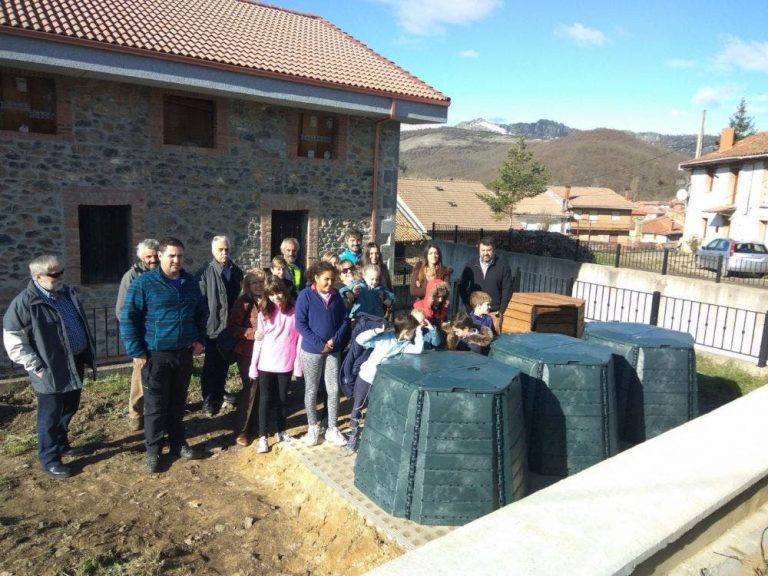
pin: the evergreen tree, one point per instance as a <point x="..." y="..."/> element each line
<point x="519" y="177"/>
<point x="742" y="124"/>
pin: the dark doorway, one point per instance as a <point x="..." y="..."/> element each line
<point x="290" y="224"/>
<point x="105" y="243"/>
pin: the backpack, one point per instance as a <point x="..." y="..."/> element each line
<point x="357" y="354"/>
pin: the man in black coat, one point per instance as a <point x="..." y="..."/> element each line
<point x="490" y="274"/>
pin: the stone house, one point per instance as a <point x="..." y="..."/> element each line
<point x="728" y="195"/>
<point x="192" y="118"/>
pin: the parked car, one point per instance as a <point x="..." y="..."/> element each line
<point x="737" y="257"/>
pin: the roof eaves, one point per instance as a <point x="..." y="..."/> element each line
<point x="722" y="160"/>
<point x="205" y="63"/>
<point x="409" y="215"/>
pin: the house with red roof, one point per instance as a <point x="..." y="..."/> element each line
<point x="122" y="120"/>
<point x="584" y="212"/>
<point x="728" y="195"/>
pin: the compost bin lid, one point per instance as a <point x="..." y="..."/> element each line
<point x="550" y="349"/>
<point x="637" y="334"/>
<point x="443" y="371"/>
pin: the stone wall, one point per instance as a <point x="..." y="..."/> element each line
<point x="114" y="154"/>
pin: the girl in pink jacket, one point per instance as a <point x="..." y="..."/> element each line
<point x="275" y="358"/>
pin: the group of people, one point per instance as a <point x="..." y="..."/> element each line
<point x="331" y="324"/>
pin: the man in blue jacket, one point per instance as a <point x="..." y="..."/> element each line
<point x="163" y="325"/>
<point x="44" y="330"/>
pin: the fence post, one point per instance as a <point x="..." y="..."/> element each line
<point x="617" y="258"/>
<point x="517" y="280"/>
<point x="665" y="262"/>
<point x="456" y="234"/>
<point x="569" y="284"/>
<point x="763" y="354"/>
<point x="655" y="305"/>
<point x="719" y="271"/>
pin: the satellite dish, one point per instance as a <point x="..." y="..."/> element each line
<point x="682" y="194"/>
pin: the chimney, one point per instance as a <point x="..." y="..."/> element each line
<point x="626" y="192"/>
<point x="726" y="139"/>
<point x="567" y="197"/>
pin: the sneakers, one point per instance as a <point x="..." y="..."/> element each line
<point x="262" y="446"/>
<point x="313" y="435"/>
<point x="241" y="440"/>
<point x="152" y="463"/>
<point x="231" y="398"/>
<point x="283" y="436"/>
<point x="335" y="437"/>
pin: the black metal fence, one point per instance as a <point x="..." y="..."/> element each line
<point x="659" y="258"/>
<point x="725" y="328"/>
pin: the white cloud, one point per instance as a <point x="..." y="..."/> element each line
<point x="751" y="56"/>
<point x="429" y="17"/>
<point x="582" y="35"/>
<point x="469" y="54"/>
<point x="714" y="96"/>
<point x="680" y="63"/>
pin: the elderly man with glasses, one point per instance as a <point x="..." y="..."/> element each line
<point x="45" y="331"/>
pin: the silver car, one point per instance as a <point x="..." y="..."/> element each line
<point x="737" y="257"/>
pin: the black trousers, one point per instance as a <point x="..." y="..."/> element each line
<point x="54" y="413"/>
<point x="166" y="384"/>
<point x="214" y="376"/>
<point x="273" y="393"/>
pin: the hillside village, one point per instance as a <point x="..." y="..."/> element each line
<point x="606" y="186"/>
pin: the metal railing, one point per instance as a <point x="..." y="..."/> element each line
<point x="664" y="259"/>
<point x="725" y="328"/>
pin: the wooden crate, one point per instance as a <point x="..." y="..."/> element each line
<point x="544" y="312"/>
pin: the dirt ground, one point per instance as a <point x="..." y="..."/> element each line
<point x="235" y="513"/>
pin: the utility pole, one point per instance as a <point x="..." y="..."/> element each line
<point x="700" y="139"/>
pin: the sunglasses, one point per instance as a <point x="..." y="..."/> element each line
<point x="347" y="270"/>
<point x="54" y="274"/>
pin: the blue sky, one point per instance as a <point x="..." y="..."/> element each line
<point x="643" y="66"/>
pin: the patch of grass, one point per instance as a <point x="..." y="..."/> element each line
<point x="720" y="382"/>
<point x="18" y="444"/>
<point x="106" y="566"/>
<point x="110" y="384"/>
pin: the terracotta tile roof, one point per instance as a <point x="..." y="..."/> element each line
<point x="404" y="232"/>
<point x="545" y="203"/>
<point x="751" y="146"/>
<point x="663" y="225"/>
<point x="590" y="197"/>
<point x="448" y="203"/>
<point x="236" y="34"/>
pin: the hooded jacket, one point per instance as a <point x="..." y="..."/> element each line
<point x="436" y="315"/>
<point x="478" y="341"/>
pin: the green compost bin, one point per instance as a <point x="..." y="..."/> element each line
<point x="655" y="368"/>
<point x="569" y="399"/>
<point x="444" y="441"/>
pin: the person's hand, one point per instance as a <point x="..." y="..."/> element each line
<point x="356" y="290"/>
<point x="39" y="373"/>
<point x="328" y="347"/>
<point x="387" y="302"/>
<point x="141" y="361"/>
<point x="197" y="348"/>
<point x="380" y="329"/>
<point x="258" y="335"/>
<point x="426" y="324"/>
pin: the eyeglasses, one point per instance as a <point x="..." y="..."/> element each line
<point x="347" y="270"/>
<point x="54" y="274"/>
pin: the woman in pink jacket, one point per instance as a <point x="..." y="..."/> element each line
<point x="275" y="358"/>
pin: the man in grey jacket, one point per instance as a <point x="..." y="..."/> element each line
<point x="146" y="260"/>
<point x="45" y="331"/>
<point x="220" y="284"/>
